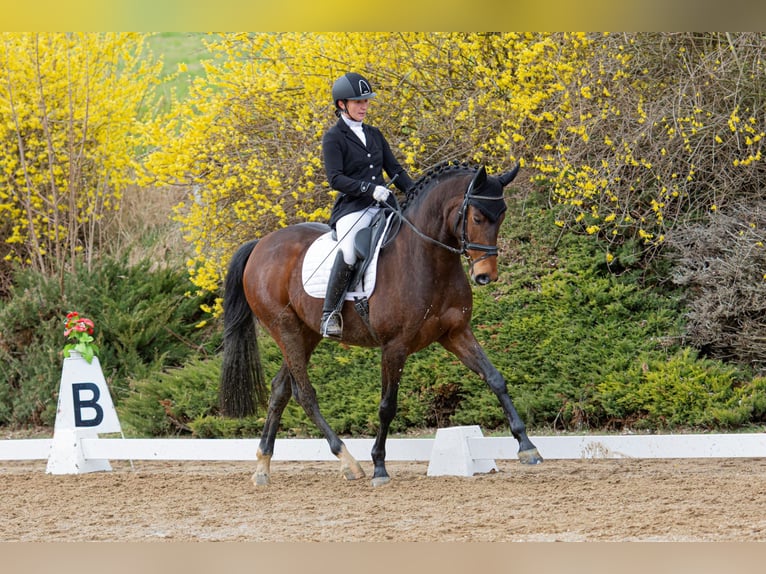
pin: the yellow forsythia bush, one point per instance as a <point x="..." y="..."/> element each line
<point x="70" y="137"/>
<point x="631" y="132"/>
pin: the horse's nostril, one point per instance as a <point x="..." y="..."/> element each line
<point x="482" y="279"/>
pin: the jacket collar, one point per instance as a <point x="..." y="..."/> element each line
<point x="349" y="134"/>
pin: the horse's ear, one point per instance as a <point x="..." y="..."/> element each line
<point x="509" y="176"/>
<point x="479" y="178"/>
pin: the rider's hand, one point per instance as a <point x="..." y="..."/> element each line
<point x="380" y="193"/>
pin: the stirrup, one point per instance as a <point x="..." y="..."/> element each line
<point x="331" y="326"/>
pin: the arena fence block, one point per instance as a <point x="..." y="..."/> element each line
<point x="85" y="411"/>
<point x="451" y="453"/>
<point x="73" y="451"/>
<point x="639" y="446"/>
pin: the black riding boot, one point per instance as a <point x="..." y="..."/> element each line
<point x="332" y="322"/>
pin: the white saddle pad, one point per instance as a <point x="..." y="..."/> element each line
<point x="318" y="262"/>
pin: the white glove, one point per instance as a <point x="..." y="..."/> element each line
<point x="380" y="193"/>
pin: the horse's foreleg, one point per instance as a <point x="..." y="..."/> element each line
<point x="467" y="349"/>
<point x="262" y="474"/>
<point x="280" y="395"/>
<point x="392" y="364"/>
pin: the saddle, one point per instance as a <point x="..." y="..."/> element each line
<point x="367" y="244"/>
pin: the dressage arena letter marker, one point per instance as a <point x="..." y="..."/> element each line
<point x="85" y="409"/>
<point x="80" y="404"/>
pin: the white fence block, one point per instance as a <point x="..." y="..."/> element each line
<point x="25" y="449"/>
<point x="67" y="455"/>
<point x="452" y="455"/>
<point x="84" y="410"/>
<point x="306" y="449"/>
<point x="457" y="451"/>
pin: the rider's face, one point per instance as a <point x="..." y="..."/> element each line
<point x="357" y="109"/>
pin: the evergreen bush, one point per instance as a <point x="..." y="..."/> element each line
<point x="146" y="319"/>
<point x="681" y="391"/>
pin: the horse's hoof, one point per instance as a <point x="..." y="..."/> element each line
<point x="261" y="479"/>
<point x="530" y="456"/>
<point x="352" y="473"/>
<point x="349" y="467"/>
<point x="381" y="480"/>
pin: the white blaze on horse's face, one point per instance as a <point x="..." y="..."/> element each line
<point x="480" y="230"/>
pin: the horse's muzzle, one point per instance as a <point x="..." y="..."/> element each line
<point x="482" y="278"/>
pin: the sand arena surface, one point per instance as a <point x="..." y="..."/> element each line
<point x="560" y="500"/>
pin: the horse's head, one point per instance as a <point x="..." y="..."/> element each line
<point x="463" y="207"/>
<point x="481" y="214"/>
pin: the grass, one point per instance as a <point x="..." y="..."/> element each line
<point x="176" y="49"/>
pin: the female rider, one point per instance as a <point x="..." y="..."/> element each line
<point x="355" y="156"/>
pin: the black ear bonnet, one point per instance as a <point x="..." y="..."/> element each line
<point x="486" y="194"/>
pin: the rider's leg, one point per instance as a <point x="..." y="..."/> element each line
<point x="342" y="271"/>
<point x="332" y="325"/>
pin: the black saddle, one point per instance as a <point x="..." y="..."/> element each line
<point x="365" y="241"/>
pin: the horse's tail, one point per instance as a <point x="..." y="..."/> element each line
<point x="242" y="386"/>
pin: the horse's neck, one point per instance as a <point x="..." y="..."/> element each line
<point x="434" y="219"/>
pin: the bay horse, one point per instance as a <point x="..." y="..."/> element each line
<point x="422" y="295"/>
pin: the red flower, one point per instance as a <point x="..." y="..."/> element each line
<point x="79" y="330"/>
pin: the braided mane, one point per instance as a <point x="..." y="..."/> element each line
<point x="436" y="174"/>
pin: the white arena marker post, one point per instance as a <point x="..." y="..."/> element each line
<point x="85" y="409"/>
<point x="451" y="455"/>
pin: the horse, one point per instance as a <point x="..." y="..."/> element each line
<point x="422" y="295"/>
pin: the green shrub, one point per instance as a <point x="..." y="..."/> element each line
<point x="579" y="346"/>
<point x="146" y="320"/>
<point x="31" y="339"/>
<point x="682" y="390"/>
<point x="559" y="325"/>
<point x="168" y="402"/>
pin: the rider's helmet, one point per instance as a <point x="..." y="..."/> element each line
<point x="351" y="86"/>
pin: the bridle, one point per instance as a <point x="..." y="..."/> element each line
<point x="462" y="216"/>
<point x="465" y="243"/>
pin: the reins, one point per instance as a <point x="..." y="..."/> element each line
<point x="398" y="212"/>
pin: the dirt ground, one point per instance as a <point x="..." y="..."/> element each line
<point x="560" y="500"/>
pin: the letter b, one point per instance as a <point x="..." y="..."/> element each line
<point x="81" y="403"/>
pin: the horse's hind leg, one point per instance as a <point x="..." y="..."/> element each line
<point x="305" y="395"/>
<point x="281" y="392"/>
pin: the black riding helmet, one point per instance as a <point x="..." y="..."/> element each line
<point x="351" y="86"/>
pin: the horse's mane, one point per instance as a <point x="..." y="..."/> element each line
<point x="434" y="175"/>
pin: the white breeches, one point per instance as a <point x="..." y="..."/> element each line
<point x="347" y="227"/>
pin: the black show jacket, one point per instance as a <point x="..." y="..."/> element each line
<point x="354" y="169"/>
